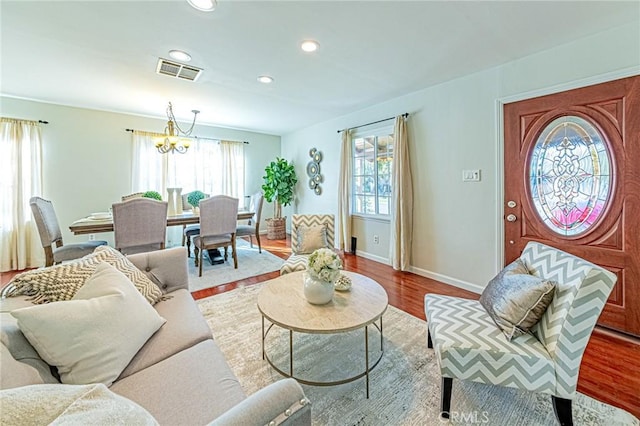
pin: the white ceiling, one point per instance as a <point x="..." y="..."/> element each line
<point x="103" y="54"/>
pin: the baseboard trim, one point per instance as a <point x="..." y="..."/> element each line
<point x="373" y="257"/>
<point x="474" y="288"/>
<point x="465" y="285"/>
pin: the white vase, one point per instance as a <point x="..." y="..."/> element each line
<point x="317" y="292"/>
<point x="175" y="201"/>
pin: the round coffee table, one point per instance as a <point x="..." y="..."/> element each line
<point x="281" y="301"/>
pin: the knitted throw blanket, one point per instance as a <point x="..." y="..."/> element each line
<point x="61" y="282"/>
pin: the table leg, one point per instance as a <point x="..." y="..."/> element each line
<point x="290" y="353"/>
<point x="366" y="355"/>
<point x="381" y="347"/>
<point x="263" y="336"/>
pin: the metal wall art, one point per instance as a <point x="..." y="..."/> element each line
<point x="313" y="171"/>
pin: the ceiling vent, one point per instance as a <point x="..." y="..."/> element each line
<point x="178" y="70"/>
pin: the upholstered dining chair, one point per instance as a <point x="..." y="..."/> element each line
<point x="218" y="219"/>
<point x="308" y="233"/>
<point x="189" y="231"/>
<point x="140" y="225"/>
<point x="470" y="346"/>
<point x="50" y="234"/>
<point x="252" y="228"/>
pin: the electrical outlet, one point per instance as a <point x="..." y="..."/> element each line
<point x="92" y="237"/>
<point x="376" y="239"/>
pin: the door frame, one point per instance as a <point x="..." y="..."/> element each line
<point x="500" y="102"/>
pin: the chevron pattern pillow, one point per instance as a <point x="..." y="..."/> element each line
<point x="516" y="300"/>
<point x="61" y="282"/>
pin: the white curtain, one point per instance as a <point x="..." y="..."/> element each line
<point x="20" y="179"/>
<point x="232" y="170"/>
<point x="401" y="200"/>
<point x="344" y="191"/>
<point x="148" y="167"/>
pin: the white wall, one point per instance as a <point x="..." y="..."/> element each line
<point x="87" y="156"/>
<point x="453" y="126"/>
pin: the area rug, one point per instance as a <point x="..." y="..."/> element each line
<point x="250" y="264"/>
<point x="404" y="386"/>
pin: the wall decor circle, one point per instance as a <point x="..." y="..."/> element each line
<point x="313" y="171"/>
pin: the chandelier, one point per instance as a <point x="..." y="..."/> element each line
<point x="175" y="139"/>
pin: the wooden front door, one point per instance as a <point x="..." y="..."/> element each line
<point x="572" y="181"/>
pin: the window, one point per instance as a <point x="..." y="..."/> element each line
<point x="372" y="167"/>
<point x="211" y="166"/>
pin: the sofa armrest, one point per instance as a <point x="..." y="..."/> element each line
<point x="166" y="268"/>
<point x="282" y="402"/>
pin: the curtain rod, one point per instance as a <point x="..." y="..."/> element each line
<point x="405" y="115"/>
<point x="197" y="137"/>
<point x="43" y="122"/>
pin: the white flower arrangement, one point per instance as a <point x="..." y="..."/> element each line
<point x="324" y="264"/>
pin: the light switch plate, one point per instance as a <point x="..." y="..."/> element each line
<point x="471" y="175"/>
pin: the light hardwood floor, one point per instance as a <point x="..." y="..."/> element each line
<point x="610" y="369"/>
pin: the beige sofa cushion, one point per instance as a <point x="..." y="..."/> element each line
<point x="192" y="387"/>
<point x="184" y="328"/>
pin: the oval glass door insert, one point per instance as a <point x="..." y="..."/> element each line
<point x="570" y="175"/>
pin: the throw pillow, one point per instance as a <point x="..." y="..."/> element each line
<point x="311" y="238"/>
<point x="92" y="338"/>
<point x="516" y="300"/>
<point x="61" y="282"/>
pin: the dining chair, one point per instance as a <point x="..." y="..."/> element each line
<point x="50" y="233"/>
<point x="253" y="227"/>
<point x="140" y="225"/>
<point x="189" y="231"/>
<point x="218" y="220"/>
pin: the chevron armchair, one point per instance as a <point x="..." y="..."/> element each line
<point x="298" y="261"/>
<point x="469" y="346"/>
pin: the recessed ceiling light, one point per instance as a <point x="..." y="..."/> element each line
<point x="310" y="45"/>
<point x="204" y="5"/>
<point x="179" y="55"/>
<point x="265" y="79"/>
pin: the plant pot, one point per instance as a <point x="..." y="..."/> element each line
<point x="276" y="228"/>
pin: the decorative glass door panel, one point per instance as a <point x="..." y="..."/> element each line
<point x="569" y="176"/>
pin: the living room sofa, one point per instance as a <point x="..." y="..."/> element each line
<point x="180" y="375"/>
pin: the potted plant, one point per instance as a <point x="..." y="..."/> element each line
<point x="194" y="198"/>
<point x="279" y="183"/>
<point x="152" y="194"/>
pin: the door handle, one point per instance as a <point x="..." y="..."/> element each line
<point x="511" y="218"/>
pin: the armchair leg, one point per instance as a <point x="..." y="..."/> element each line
<point x="562" y="410"/>
<point x="259" y="244"/>
<point x="429" y="342"/>
<point x="200" y="262"/>
<point x="445" y="398"/>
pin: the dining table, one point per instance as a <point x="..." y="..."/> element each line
<point x="94" y="224"/>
